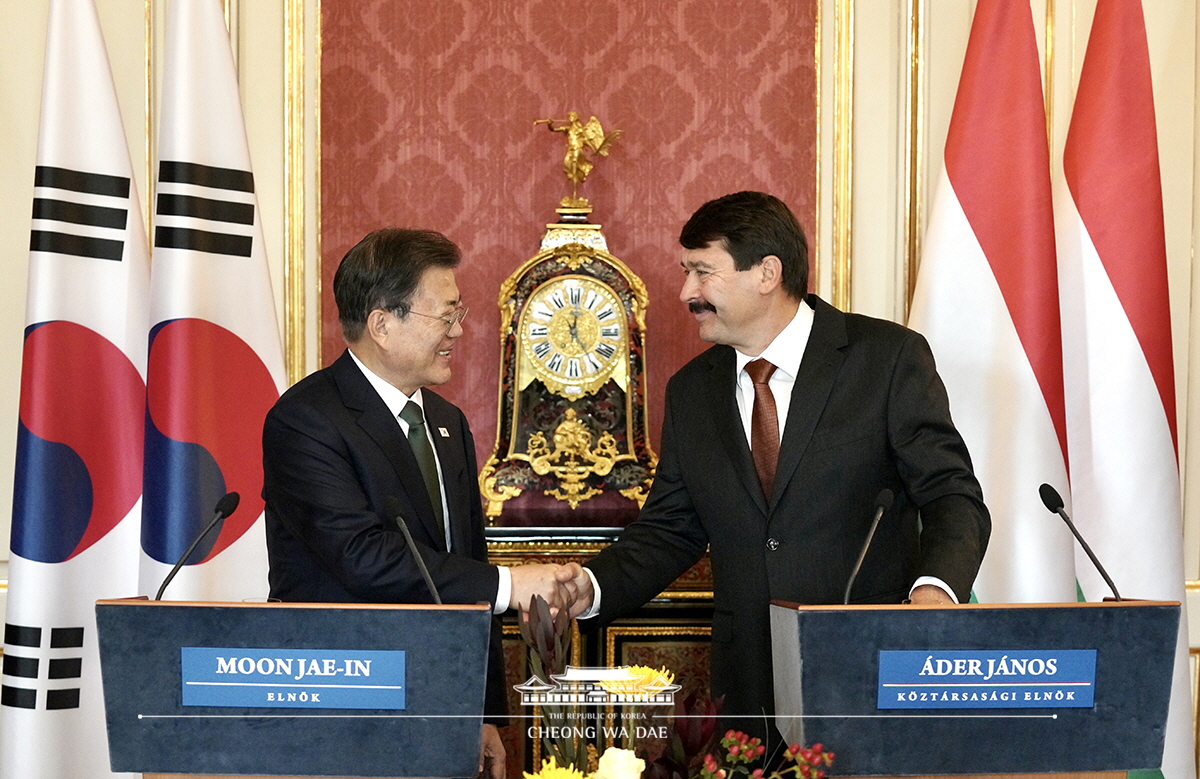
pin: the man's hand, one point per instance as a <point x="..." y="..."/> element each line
<point x="579" y="585"/>
<point x="539" y="579"/>
<point x="491" y="754"/>
<point x="930" y="594"/>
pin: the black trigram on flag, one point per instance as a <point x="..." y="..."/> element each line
<point x="200" y="207"/>
<point x="79" y="214"/>
<point x="39" y="673"/>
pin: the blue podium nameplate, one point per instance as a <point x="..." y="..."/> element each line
<point x="1061" y="678"/>
<point x="290" y="678"/>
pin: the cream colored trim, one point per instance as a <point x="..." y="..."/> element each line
<point x="1048" y="85"/>
<point x="320" y="276"/>
<point x="293" y="227"/>
<point x="914" y="151"/>
<point x="814" y="235"/>
<point x="843" y="144"/>
<point x="148" y="119"/>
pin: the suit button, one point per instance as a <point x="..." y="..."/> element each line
<point x="772" y="544"/>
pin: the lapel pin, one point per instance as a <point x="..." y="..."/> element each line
<point x="445" y="433"/>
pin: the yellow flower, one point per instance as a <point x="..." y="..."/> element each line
<point x="644" y="682"/>
<point x="552" y="770"/>
<point x="619" y="764"/>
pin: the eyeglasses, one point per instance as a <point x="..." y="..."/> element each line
<point x="453" y="318"/>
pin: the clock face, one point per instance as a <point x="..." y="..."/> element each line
<point x="573" y="331"/>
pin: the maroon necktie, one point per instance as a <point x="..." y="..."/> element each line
<point x="764" y="425"/>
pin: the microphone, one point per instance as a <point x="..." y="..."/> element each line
<point x="883" y="502"/>
<point x="1054" y="503"/>
<point x="225" y="506"/>
<point x="392" y="506"/>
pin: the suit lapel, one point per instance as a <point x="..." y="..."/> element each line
<point x="378" y="423"/>
<point x="818" y="370"/>
<point x="722" y="387"/>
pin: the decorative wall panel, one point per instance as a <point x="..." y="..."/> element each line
<point x="427" y="116"/>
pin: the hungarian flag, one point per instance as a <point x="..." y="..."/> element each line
<point x="1119" y="373"/>
<point x="987" y="300"/>
<point x="78" y="490"/>
<point x="215" y="360"/>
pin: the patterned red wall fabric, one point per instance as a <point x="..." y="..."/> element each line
<point x="427" y="113"/>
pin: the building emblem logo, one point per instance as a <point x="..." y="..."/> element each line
<point x="621" y="686"/>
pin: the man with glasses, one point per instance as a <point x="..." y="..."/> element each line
<point x="352" y="444"/>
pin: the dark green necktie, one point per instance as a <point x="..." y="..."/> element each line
<point x="423" y="451"/>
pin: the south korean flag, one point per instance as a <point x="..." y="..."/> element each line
<point x="215" y="364"/>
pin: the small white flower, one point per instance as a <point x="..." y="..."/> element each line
<point x="619" y="764"/>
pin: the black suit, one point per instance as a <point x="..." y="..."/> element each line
<point x="332" y="455"/>
<point x="868" y="412"/>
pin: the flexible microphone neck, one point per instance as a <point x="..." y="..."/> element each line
<point x="392" y="505"/>
<point x="883" y="502"/>
<point x="225" y="506"/>
<point x="1054" y="503"/>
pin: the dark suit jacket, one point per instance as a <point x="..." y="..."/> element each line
<point x="868" y="412"/>
<point x="332" y="454"/>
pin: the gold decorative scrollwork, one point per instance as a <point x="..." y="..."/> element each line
<point x="573" y="458"/>
<point x="493" y="494"/>
<point x="638" y="493"/>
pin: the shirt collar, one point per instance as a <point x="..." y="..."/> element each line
<point x="787" y="350"/>
<point x="394" y="399"/>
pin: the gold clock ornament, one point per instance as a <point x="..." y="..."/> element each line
<point x="571" y="445"/>
<point x="573" y="332"/>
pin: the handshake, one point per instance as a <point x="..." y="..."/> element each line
<point x="565" y="587"/>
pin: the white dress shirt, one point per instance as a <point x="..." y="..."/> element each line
<point x="785" y="352"/>
<point x="395" y="400"/>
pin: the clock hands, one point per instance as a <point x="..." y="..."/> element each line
<point x="575" y="327"/>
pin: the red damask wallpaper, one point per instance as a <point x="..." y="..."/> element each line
<point x="427" y="110"/>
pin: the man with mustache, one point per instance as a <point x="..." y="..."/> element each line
<point x="775" y="444"/>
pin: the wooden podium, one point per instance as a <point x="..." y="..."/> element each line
<point x="984" y="690"/>
<point x="293" y="689"/>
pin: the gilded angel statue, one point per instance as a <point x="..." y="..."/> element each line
<point x="583" y="139"/>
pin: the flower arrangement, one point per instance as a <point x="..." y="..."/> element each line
<point x="645" y="682"/>
<point x="741" y="751"/>
<point x="687" y="752"/>
<point x="552" y="770"/>
<point x="619" y="764"/>
<point x="549" y="640"/>
<point x="614" y="764"/>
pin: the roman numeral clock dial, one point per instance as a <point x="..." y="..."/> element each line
<point x="573" y="332"/>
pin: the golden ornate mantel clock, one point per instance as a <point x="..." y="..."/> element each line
<point x="571" y="445"/>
